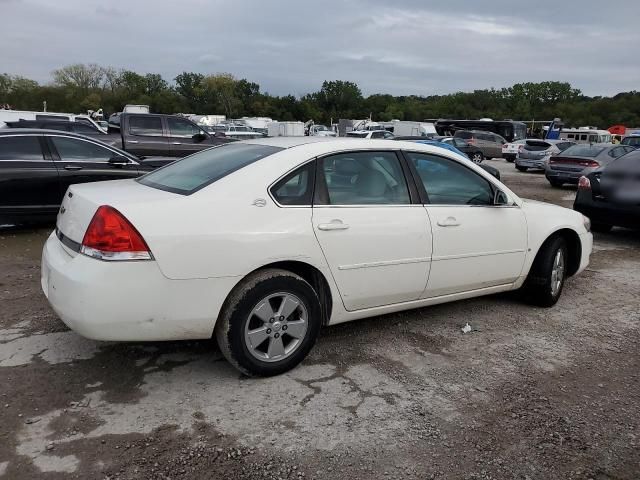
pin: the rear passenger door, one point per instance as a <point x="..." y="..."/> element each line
<point x="28" y="176"/>
<point x="82" y="161"/>
<point x="375" y="237"/>
<point x="145" y="136"/>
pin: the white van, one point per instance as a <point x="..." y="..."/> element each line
<point x="585" y="135"/>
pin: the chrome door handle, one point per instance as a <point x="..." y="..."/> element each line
<point x="72" y="167"/>
<point x="133" y="141"/>
<point x="334" y="225"/>
<point x="449" y="222"/>
<point x="177" y="143"/>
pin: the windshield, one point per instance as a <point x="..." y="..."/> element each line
<point x="633" y="141"/>
<point x="583" y="151"/>
<point x="192" y="173"/>
<point x="357" y="134"/>
<point x="321" y="128"/>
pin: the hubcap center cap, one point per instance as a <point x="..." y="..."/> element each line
<point x="277" y="326"/>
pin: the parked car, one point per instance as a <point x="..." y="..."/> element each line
<point x="237" y="132"/>
<point x="632" y="141"/>
<point x="37" y="167"/>
<point x="536" y="153"/>
<point x="68" y="126"/>
<point x="510" y="150"/>
<point x="580" y="160"/>
<point x="321" y="131"/>
<point x="490" y="144"/>
<point x="372" y="134"/>
<point x="610" y="195"/>
<point x="449" y="145"/>
<point x="151" y="134"/>
<point x="261" y="243"/>
<point x="458" y="145"/>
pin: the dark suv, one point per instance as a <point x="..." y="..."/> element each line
<point x="490" y="144"/>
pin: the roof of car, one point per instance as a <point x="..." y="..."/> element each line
<point x="41" y="131"/>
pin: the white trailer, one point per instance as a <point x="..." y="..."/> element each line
<point x="413" y="129"/>
<point x="285" y="129"/>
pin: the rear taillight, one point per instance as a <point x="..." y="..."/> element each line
<point x="110" y="236"/>
<point x="584" y="184"/>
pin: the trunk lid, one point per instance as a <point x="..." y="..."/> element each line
<point x="81" y="201"/>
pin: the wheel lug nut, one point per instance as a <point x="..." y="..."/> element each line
<point x="271" y="320"/>
<point x="277" y="335"/>
<point x="281" y="318"/>
<point x="284" y="327"/>
<point x="268" y="331"/>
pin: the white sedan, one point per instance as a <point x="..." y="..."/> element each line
<point x="260" y="243"/>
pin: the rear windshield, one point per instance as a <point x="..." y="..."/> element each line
<point x="633" y="141"/>
<point x="357" y="134"/>
<point x="583" y="151"/>
<point x="192" y="173"/>
<point x="536" y="145"/>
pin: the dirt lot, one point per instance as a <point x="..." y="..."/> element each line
<point x="529" y="394"/>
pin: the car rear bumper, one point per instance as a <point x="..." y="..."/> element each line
<point x="531" y="163"/>
<point x="605" y="213"/>
<point x="128" y="301"/>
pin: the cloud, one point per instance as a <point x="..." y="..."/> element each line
<point x="403" y="47"/>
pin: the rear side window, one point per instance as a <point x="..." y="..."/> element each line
<point x="464" y="135"/>
<point x="145" y="125"/>
<point x="20" y="148"/>
<point x="296" y="188"/>
<point x="195" y="172"/>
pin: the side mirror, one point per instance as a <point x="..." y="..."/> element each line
<point x="200" y="136"/>
<point x="118" y="161"/>
<point x="500" y="198"/>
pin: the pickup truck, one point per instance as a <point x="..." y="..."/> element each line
<point x="151" y="134"/>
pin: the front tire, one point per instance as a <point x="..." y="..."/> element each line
<point x="477" y="157"/>
<point x="269" y="323"/>
<point x="556" y="184"/>
<point x="548" y="273"/>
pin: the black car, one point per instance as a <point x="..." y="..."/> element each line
<point x="37" y="166"/>
<point x="610" y="196"/>
<point x="68" y="126"/>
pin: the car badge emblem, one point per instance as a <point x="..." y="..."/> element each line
<point x="259" y="202"/>
<point x="62" y="210"/>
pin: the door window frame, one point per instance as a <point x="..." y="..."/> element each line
<point x="44" y="148"/>
<point x="321" y="192"/>
<point x="55" y="155"/>
<point x="424" y="196"/>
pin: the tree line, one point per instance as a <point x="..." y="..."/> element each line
<point x="80" y="87"/>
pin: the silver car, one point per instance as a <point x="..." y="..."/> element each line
<point x="536" y="153"/>
<point x="580" y="160"/>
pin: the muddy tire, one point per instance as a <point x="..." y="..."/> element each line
<point x="269" y="323"/>
<point x="548" y="273"/>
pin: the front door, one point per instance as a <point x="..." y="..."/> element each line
<point x="376" y="242"/>
<point x="184" y="137"/>
<point x="475" y="244"/>
<point x="28" y="178"/>
<point x="81" y="161"/>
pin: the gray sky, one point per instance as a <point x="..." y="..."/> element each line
<point x="400" y="47"/>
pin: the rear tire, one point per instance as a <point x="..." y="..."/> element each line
<point x="521" y="169"/>
<point x="255" y="330"/>
<point x="548" y="273"/>
<point x="601" y="227"/>
<point x="556" y="184"/>
<point x="510" y="159"/>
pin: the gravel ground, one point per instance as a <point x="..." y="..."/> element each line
<point x="528" y="394"/>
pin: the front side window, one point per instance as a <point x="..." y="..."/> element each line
<point x="196" y="171"/>
<point x="145" y="125"/>
<point x="296" y="188"/>
<point x="20" y="148"/>
<point x="181" y="128"/>
<point x="364" y="178"/>
<point x="449" y="183"/>
<point x="72" y="149"/>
